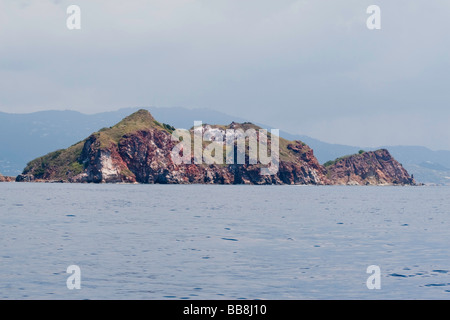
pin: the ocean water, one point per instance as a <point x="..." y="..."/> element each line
<point x="223" y="242"/>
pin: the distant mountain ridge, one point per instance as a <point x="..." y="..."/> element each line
<point x="24" y="137"/>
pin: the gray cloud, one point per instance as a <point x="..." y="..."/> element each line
<point x="309" y="67"/>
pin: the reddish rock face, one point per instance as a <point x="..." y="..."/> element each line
<point x="102" y="164"/>
<point x="145" y="157"/>
<point x="369" y="168"/>
<point x="6" y="179"/>
<point x="138" y="150"/>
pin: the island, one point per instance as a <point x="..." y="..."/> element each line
<point x="139" y="149"/>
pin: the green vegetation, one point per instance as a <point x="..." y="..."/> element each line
<point x="284" y="152"/>
<point x="67" y="163"/>
<point x="61" y="163"/>
<point x="168" y="128"/>
<point x="329" y="163"/>
<point x="140" y="120"/>
<point x="76" y="167"/>
<point x="332" y="162"/>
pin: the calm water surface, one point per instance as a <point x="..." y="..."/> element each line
<point x="223" y="242"/>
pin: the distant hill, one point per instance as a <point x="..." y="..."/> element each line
<point x="24" y="137"/>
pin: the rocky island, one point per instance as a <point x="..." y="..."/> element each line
<point x="6" y="179"/>
<point x="138" y="150"/>
<point x="368" y="168"/>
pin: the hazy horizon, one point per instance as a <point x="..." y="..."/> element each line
<point x="310" y="68"/>
<point x="265" y="125"/>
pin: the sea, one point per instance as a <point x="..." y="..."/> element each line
<point x="153" y="242"/>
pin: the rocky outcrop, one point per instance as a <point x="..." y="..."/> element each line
<point x="368" y="168"/>
<point x="138" y="150"/>
<point x="145" y="157"/>
<point x="6" y="179"/>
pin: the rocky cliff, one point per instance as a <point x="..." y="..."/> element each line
<point x="138" y="150"/>
<point x="368" y="168"/>
<point x="6" y="179"/>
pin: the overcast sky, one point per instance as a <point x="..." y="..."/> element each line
<point x="308" y="67"/>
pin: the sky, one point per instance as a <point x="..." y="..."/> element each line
<point x="305" y="67"/>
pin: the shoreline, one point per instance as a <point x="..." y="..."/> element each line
<point x="223" y="184"/>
